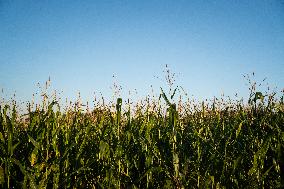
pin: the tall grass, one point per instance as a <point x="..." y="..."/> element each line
<point x="156" y="143"/>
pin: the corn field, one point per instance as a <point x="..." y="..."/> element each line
<point x="155" y="143"/>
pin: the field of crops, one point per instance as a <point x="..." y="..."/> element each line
<point x="156" y="143"/>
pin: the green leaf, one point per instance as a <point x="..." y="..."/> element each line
<point x="2" y="138"/>
<point x="239" y="129"/>
<point x="14" y="147"/>
<point x="172" y="96"/>
<point x="165" y="97"/>
<point x="2" y="179"/>
<point x="34" y="142"/>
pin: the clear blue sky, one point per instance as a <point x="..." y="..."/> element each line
<point x="82" y="44"/>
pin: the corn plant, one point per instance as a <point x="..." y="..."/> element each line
<point x="152" y="144"/>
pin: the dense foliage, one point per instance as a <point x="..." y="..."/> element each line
<point x="153" y="144"/>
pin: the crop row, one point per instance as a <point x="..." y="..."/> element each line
<point x="208" y="146"/>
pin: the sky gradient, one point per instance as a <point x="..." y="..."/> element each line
<point x="82" y="44"/>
